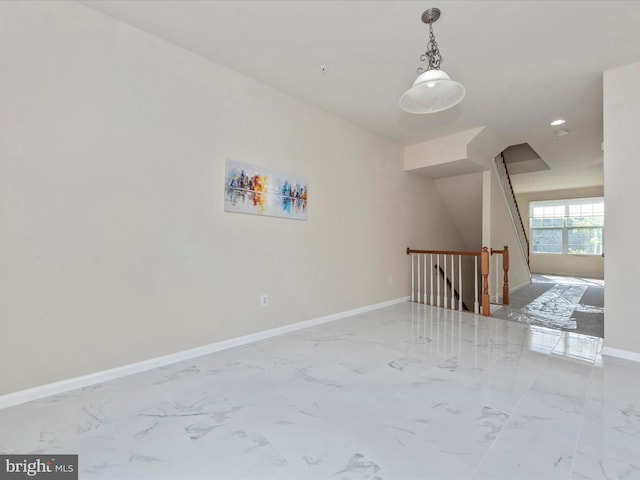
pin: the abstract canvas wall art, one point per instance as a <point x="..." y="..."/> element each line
<point x="260" y="191"/>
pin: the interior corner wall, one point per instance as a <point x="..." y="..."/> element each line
<point x="621" y="109"/>
<point x="115" y="247"/>
<point x="591" y="266"/>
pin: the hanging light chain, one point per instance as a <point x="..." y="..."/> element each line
<point x="432" y="54"/>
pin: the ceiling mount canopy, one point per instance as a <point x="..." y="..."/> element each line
<point x="433" y="90"/>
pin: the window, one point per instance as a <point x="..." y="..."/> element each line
<point x="571" y="227"/>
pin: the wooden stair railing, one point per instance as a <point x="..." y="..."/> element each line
<point x="425" y="284"/>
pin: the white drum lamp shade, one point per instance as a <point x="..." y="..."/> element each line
<point x="433" y="91"/>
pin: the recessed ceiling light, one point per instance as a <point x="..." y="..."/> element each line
<point x="557" y="122"/>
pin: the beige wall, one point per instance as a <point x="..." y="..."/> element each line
<point x="580" y="265"/>
<point x="462" y="196"/>
<point x="621" y="174"/>
<point x="114" y="244"/>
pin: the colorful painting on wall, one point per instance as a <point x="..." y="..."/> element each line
<point x="258" y="191"/>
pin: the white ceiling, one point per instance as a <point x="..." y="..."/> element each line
<point x="523" y="63"/>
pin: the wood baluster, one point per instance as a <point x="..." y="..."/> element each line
<point x="438" y="278"/>
<point x="460" y="301"/>
<point x="476" y="305"/>
<point x="444" y="282"/>
<point x="486" y="308"/>
<point x="453" y="283"/>
<point x="497" y="276"/>
<point x="424" y="295"/>
<point x="505" y="268"/>
<point x="418" y="276"/>
<point x="431" y="284"/>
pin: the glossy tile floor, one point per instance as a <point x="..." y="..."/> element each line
<point x="409" y="391"/>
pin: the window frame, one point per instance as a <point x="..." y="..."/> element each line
<point x="561" y="214"/>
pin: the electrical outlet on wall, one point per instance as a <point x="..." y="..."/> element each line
<point x="264" y="300"/>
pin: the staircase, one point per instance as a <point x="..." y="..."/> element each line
<point x="510" y="197"/>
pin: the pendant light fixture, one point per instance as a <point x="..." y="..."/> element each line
<point x="433" y="90"/>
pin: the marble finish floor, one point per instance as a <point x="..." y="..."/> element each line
<point x="405" y="392"/>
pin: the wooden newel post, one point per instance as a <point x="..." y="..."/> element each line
<point x="486" y="310"/>
<point x="505" y="267"/>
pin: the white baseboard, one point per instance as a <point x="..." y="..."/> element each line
<point x="624" y="354"/>
<point x="63" y="386"/>
<point x="519" y="287"/>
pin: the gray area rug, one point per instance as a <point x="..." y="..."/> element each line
<point x="563" y="303"/>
